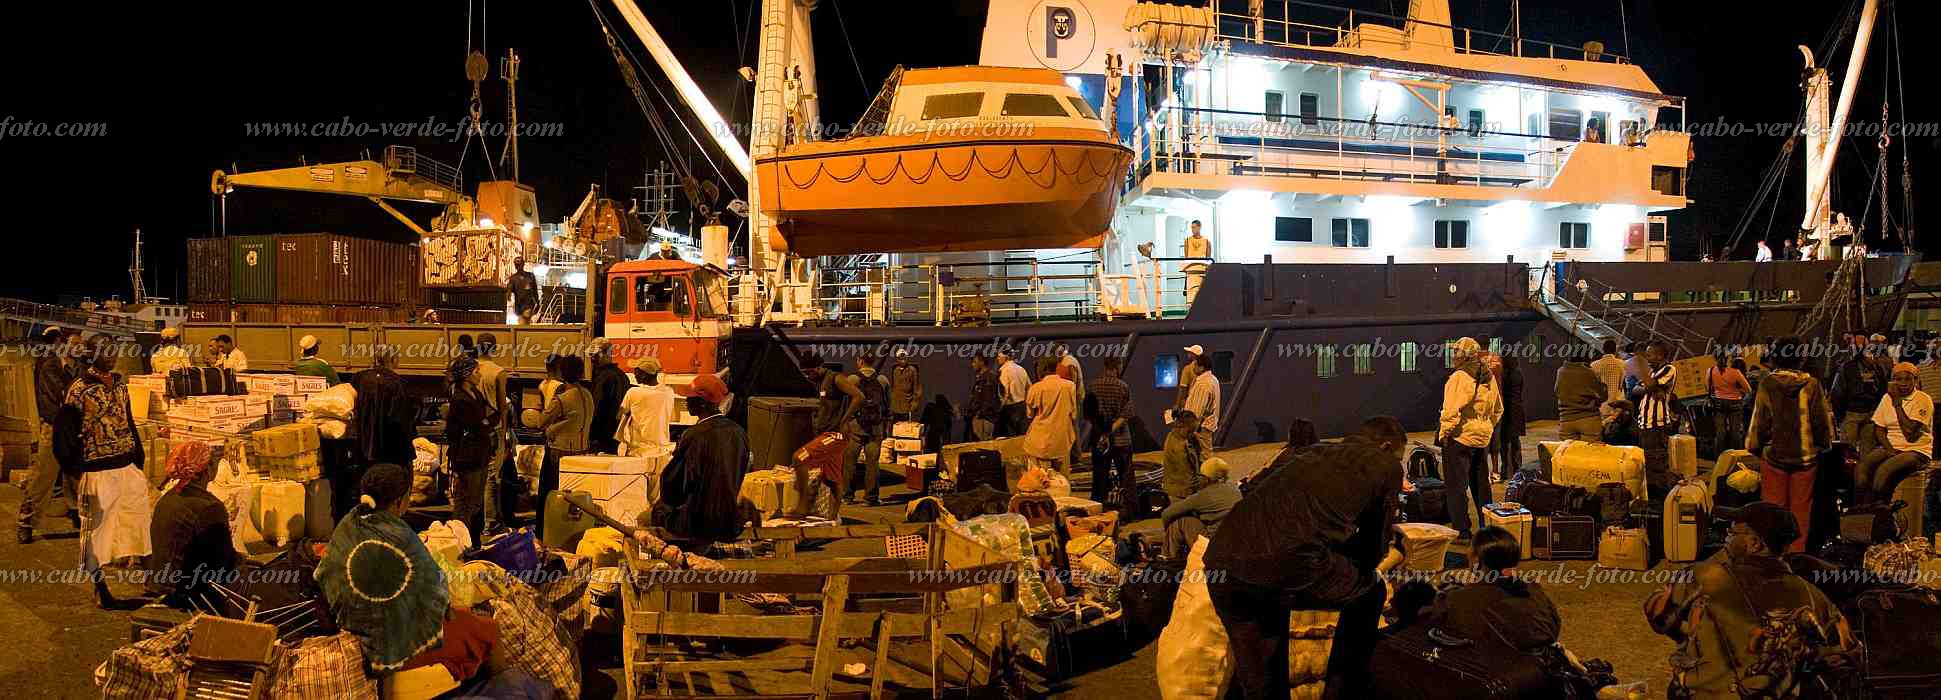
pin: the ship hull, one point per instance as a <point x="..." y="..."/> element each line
<point x="1055" y="189"/>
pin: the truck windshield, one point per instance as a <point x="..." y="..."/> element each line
<point x="661" y="293"/>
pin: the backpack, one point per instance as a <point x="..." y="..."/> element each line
<point x="1427" y="503"/>
<point x="872" y="409"/>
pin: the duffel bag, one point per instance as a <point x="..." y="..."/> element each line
<point x="1419" y="662"/>
<point x="1427" y="503"/>
<point x="1587" y="465"/>
<point x="1545" y="498"/>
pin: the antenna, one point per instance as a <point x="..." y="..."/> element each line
<point x="509" y="72"/>
<point x="135" y="268"/>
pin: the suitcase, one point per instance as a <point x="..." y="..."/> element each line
<point x="1563" y="537"/>
<point x="565" y="521"/>
<point x="981" y="467"/>
<point x="1428" y="503"/>
<point x="1613" y="503"/>
<point x="918" y="478"/>
<point x="1513" y="517"/>
<point x="1623" y="548"/>
<point x="1687" y="517"/>
<point x="1684" y="456"/>
<point x="1587" y="464"/>
<point x="1896" y="627"/>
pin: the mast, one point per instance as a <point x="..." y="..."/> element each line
<point x="509" y="72"/>
<point x="1820" y="170"/>
<point x="135" y="268"/>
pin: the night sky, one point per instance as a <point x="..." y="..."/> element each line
<point x="176" y="83"/>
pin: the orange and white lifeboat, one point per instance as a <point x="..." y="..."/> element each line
<point x="967" y="158"/>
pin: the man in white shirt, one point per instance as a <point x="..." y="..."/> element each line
<point x="1610" y="370"/>
<point x="227" y="355"/>
<point x="1765" y="253"/>
<point x="1013" y="383"/>
<point x="1904" y="431"/>
<point x="1195" y="246"/>
<point x="1053" y="403"/>
<point x="645" y="412"/>
<point x="1204" y="401"/>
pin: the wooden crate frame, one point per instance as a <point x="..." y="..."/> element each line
<point x="965" y="635"/>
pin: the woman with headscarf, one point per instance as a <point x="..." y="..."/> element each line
<point x="382" y="585"/>
<point x="190" y="531"/>
<point x="98" y="448"/>
<point x="468" y="440"/>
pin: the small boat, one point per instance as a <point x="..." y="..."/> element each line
<point x="950" y="159"/>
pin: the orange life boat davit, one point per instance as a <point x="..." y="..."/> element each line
<point x="964" y="158"/>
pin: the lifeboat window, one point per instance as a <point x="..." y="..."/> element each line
<point x="1165" y="371"/>
<point x="1083" y="108"/>
<point x="1031" y="104"/>
<point x="661" y="293"/>
<point x="955" y="105"/>
<point x="617" y="296"/>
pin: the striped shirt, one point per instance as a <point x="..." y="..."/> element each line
<point x="1111" y="395"/>
<point x="1655" y="410"/>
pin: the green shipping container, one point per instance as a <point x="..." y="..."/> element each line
<point x="252" y="269"/>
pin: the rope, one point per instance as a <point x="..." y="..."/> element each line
<point x="844" y="26"/>
<point x="1624" y="26"/>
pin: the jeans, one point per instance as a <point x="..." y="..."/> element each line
<point x="1012" y="420"/>
<point x="1509" y="455"/>
<point x="1465" y="471"/>
<point x="1729" y="424"/>
<point x="1657" y="461"/>
<point x="866" y="444"/>
<point x="40" y="484"/>
<point x="1793" y="491"/>
<point x="1585" y="429"/>
<point x="1881" y="470"/>
<point x="1180" y="534"/>
<point x="1104" y="462"/>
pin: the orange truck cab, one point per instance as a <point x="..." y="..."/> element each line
<point x="674" y="310"/>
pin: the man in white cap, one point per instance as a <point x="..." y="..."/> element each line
<point x="645" y="412"/>
<point x="1188" y="370"/>
<point x="170" y="354"/>
<point x="311" y="365"/>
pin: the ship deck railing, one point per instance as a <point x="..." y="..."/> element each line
<point x="1233" y="142"/>
<point x="404" y="160"/>
<point x="1011" y="291"/>
<point x="1276" y="26"/>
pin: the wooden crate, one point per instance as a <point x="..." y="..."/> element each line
<point x="886" y="601"/>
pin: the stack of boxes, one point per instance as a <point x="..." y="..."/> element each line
<point x="904" y="447"/>
<point x="293" y="499"/>
<point x="281" y="396"/>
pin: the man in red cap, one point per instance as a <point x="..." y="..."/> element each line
<point x="703" y="477"/>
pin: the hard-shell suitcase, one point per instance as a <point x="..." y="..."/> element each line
<point x="1684" y="456"/>
<point x="1687" y="517"/>
<point x="1563" y="536"/>
<point x="1896" y="627"/>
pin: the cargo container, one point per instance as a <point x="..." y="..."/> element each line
<point x="462" y="299"/>
<point x="252" y="269"/>
<point x="469" y="316"/>
<point x="474" y="259"/>
<point x="208" y="264"/>
<point x="323" y="268"/>
<point x="221" y="312"/>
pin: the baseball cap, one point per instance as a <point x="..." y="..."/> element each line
<point x="1773" y="522"/>
<point x="707" y="386"/>
<point x="1195" y="349"/>
<point x="648" y="364"/>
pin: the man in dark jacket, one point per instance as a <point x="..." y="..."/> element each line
<point x="1791" y="425"/>
<point x="1308" y="537"/>
<point x="1580" y="394"/>
<point x="54" y="370"/>
<point x="1714" y="611"/>
<point x="1857" y="388"/>
<point x="386" y="415"/>
<point x="698" y="490"/>
<point x="610" y="385"/>
<point x="982" y="411"/>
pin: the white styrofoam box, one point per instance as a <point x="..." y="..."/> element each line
<point x="608" y="486"/>
<point x="305" y="384"/>
<point x="606" y="464"/>
<point x="907" y="429"/>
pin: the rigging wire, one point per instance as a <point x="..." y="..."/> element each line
<point x="844" y="26"/>
<point x="1624" y="26"/>
<point x="625" y="58"/>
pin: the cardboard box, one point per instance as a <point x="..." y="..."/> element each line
<point x="270" y="383"/>
<point x="907" y="429"/>
<point x="306" y="384"/>
<point x="1692" y="377"/>
<point x="609" y="464"/>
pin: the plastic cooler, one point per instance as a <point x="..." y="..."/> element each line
<point x="1425" y="545"/>
<point x="1513" y="517"/>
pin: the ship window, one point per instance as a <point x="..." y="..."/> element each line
<point x="1293" y="229"/>
<point x="1276" y="105"/>
<point x="1031" y="104"/>
<point x="1475" y="122"/>
<point x="1350" y="233"/>
<point x="1495" y="346"/>
<point x="1310" y="108"/>
<point x="617" y="296"/>
<point x="1222" y="364"/>
<point x="1657" y="229"/>
<point x="1324" y="361"/>
<point x="1449" y="354"/>
<point x="955" y="105"/>
<point x="1667" y="180"/>
<point x="1408" y="351"/>
<point x="1566" y="124"/>
<point x="1573" y="234"/>
<point x="1599" y="123"/>
<point x="1364" y="359"/>
<point x="1452" y="234"/>
<point x="1083" y="108"/>
<point x="1165" y="372"/>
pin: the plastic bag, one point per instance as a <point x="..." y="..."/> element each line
<point x="330" y="428"/>
<point x="1192" y="657"/>
<point x="335" y="402"/>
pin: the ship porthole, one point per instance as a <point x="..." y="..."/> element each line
<point x="1452" y="289"/>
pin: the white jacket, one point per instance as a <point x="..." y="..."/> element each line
<point x="1469" y="410"/>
